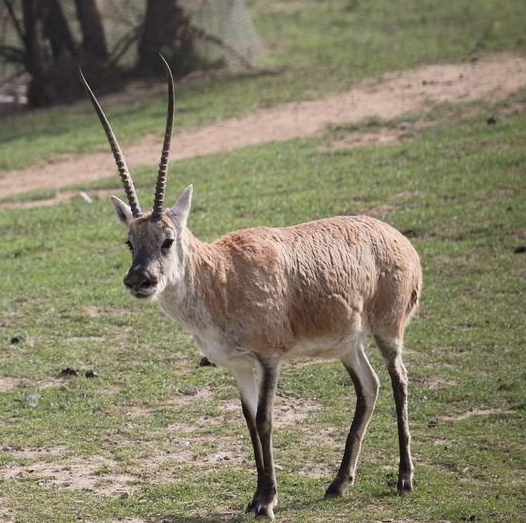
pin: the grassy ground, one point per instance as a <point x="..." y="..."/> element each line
<point x="322" y="47"/>
<point x="139" y="442"/>
<point x="158" y="438"/>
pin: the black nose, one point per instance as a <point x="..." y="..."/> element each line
<point x="139" y="280"/>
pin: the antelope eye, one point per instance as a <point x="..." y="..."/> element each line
<point x="130" y="246"/>
<point x="167" y="243"/>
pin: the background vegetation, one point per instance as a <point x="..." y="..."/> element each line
<point x="322" y="47"/>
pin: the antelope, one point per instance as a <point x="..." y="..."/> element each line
<point x="259" y="296"/>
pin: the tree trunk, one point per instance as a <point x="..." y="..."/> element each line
<point x="51" y="55"/>
<point x="93" y="37"/>
<point x="35" y="57"/>
<point x="57" y="30"/>
<point x="165" y="31"/>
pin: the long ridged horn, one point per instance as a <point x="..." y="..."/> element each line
<point x="124" y="173"/>
<point x="160" y="186"/>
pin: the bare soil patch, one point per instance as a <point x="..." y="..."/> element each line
<point x="494" y="77"/>
<point x="204" y="450"/>
<point x="437" y="382"/>
<point x="49" y="382"/>
<point x="227" y="450"/>
<point x="35" y="452"/>
<point x="199" y="424"/>
<point x="482" y="411"/>
<point x="291" y="411"/>
<point x="7" y="383"/>
<point x="178" y="400"/>
<point x="92" y="311"/>
<point x="378" y="210"/>
<point x="403" y="195"/>
<point x="381" y="136"/>
<point x="89" y="473"/>
<point x="323" y="465"/>
<point x="288" y="411"/>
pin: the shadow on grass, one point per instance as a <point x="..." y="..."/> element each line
<point x="290" y="507"/>
<point x="213" y="518"/>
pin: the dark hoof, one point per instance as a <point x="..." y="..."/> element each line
<point x="404" y="485"/>
<point x="333" y="491"/>
<point x="261" y="510"/>
<point x="265" y="512"/>
<point x="251" y="508"/>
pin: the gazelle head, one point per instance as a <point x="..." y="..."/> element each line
<point x="156" y="239"/>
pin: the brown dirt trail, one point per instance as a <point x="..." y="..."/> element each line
<point x="494" y="77"/>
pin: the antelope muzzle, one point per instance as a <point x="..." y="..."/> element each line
<point x="140" y="283"/>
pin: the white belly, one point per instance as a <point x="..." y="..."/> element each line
<point x="324" y="348"/>
<point x="212" y="344"/>
<point x="220" y="349"/>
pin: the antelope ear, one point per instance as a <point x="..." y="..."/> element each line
<point x="123" y="211"/>
<point x="179" y="212"/>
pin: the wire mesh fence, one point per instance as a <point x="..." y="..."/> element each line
<point x="225" y="38"/>
<point x="230" y="22"/>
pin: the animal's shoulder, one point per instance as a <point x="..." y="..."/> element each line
<point x="257" y="246"/>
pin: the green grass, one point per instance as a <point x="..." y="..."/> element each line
<point x="457" y="188"/>
<point x="323" y="47"/>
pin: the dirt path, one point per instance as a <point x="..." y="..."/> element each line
<point x="495" y="77"/>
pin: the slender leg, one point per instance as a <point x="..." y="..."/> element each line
<point x="266" y="495"/>
<point x="391" y="350"/>
<point x="248" y="388"/>
<point x="366" y="385"/>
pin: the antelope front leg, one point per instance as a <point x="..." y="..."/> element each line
<point x="265" y="498"/>
<point x="248" y="388"/>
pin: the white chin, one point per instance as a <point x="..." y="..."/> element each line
<point x="144" y="295"/>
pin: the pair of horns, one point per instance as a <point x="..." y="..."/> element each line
<point x="124" y="173"/>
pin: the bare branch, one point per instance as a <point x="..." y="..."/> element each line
<point x="200" y="32"/>
<point x="16" y="23"/>
<point x="12" y="54"/>
<point x="123" y="44"/>
<point x="130" y="17"/>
